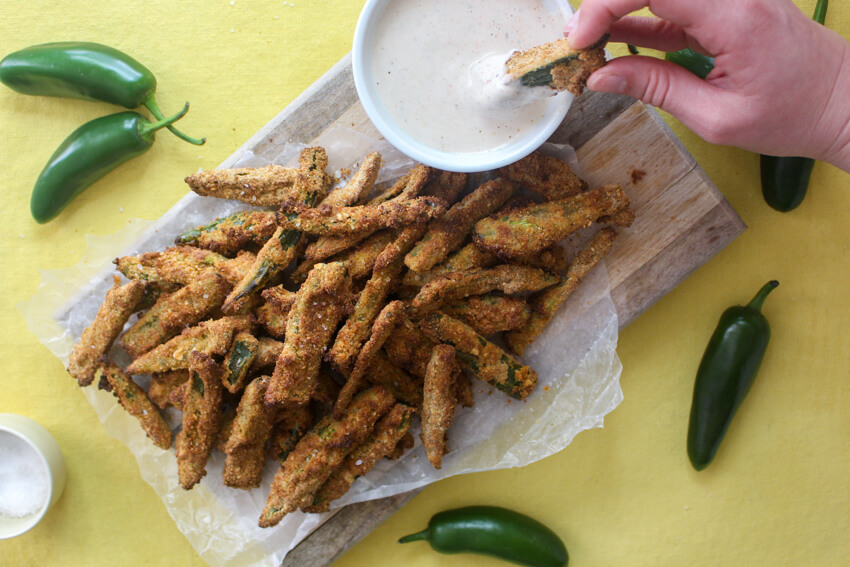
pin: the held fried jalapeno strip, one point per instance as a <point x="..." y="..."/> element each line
<point x="321" y="451"/>
<point x="484" y="359"/>
<point x="528" y="230"/>
<point x="98" y="337"/>
<point x="238" y="361"/>
<point x="136" y="402"/>
<point x="183" y="265"/>
<point x="246" y="445"/>
<point x="292" y="423"/>
<point x="201" y="419"/>
<point x="405" y="188"/>
<point x="387" y="268"/>
<point x="210" y="337"/>
<point x="265" y="186"/>
<point x="384" y="324"/>
<point x="172" y="313"/>
<point x="438" y="403"/>
<point x="545" y="304"/>
<point x="227" y="235"/>
<point x="282" y="247"/>
<point x="557" y="65"/>
<point x="489" y="314"/>
<point x="507" y="278"/>
<point x="388" y="433"/>
<point x="342" y="220"/>
<point x="312" y="321"/>
<point x="448" y="231"/>
<point x="547" y="176"/>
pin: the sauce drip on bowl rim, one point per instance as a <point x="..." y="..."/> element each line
<point x="438" y="69"/>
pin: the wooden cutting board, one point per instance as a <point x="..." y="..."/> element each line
<point x="682" y="220"/>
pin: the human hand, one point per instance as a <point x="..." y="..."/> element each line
<point x="780" y="84"/>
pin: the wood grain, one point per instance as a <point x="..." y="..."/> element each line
<point x="682" y="221"/>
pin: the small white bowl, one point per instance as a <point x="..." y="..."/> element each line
<point x="467" y="162"/>
<point x="48" y="452"/>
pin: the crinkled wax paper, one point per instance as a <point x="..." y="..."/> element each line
<point x="575" y="359"/>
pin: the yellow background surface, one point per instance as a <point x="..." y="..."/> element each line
<point x="778" y="492"/>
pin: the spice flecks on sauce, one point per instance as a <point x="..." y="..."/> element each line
<point x="438" y="68"/>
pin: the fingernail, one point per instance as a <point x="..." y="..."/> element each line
<point x="607" y="82"/>
<point x="572" y="23"/>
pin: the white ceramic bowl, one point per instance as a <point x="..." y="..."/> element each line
<point x="45" y="447"/>
<point x="468" y="162"/>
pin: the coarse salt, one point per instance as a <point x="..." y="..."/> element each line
<point x="23" y="478"/>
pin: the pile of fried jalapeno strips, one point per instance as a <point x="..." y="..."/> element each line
<point x="88" y="71"/>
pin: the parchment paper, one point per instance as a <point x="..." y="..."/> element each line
<point x="575" y="359"/>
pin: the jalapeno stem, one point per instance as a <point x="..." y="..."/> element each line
<point x="758" y="300"/>
<point x="820" y="11"/>
<point x="150" y="103"/>
<point x="419" y="536"/>
<point x="146" y="129"/>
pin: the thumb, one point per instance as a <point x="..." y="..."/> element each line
<point x="656" y="82"/>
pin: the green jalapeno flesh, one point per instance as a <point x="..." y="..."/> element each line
<point x="695" y="62"/>
<point x="90" y="152"/>
<point x="726" y="373"/>
<point x="497" y="532"/>
<point x="85" y="71"/>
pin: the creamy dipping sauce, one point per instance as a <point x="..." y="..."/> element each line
<point x="439" y="69"/>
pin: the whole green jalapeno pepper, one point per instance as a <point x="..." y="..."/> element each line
<point x="86" y="71"/>
<point x="785" y="179"/>
<point x="726" y="372"/>
<point x="90" y="152"/>
<point x="497" y="532"/>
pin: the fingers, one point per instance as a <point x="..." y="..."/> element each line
<point x="660" y="84"/>
<point x="595" y="18"/>
<point x="652" y="33"/>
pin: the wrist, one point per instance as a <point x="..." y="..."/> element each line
<point x="836" y="117"/>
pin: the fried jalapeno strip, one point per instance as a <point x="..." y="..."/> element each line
<point x="482" y="358"/>
<point x="312" y="321"/>
<point x="265" y="186"/>
<point x="238" y="361"/>
<point x="409" y="348"/>
<point x="320" y="452"/>
<point x="227" y="235"/>
<point x="448" y="232"/>
<point x="490" y="314"/>
<point x="360" y="184"/>
<point x="507" y="278"/>
<point x="403" y="386"/>
<point x="547" y="176"/>
<point x="292" y="424"/>
<point x="389" y="431"/>
<point x="210" y="337"/>
<point x="438" y="405"/>
<point x="466" y="258"/>
<point x="528" y="230"/>
<point x="405" y="188"/>
<point x="201" y="419"/>
<point x="172" y="313"/>
<point x="385" y="322"/>
<point x="342" y="220"/>
<point x="557" y="65"/>
<point x="246" y="445"/>
<point x="136" y="402"/>
<point x="163" y="383"/>
<point x="387" y="268"/>
<point x="359" y="260"/>
<point x="183" y="265"/>
<point x="545" y="304"/>
<point x="282" y="247"/>
<point x="97" y="339"/>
